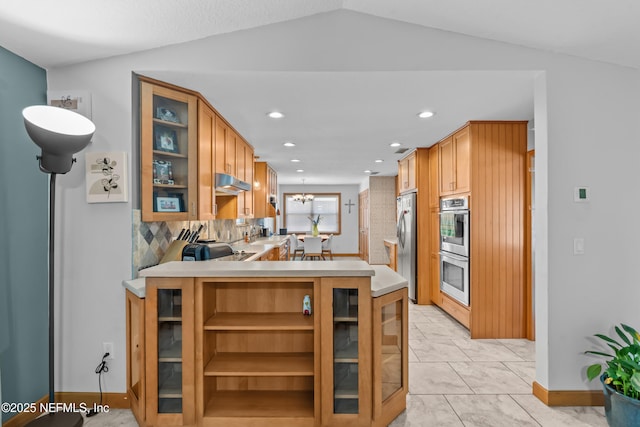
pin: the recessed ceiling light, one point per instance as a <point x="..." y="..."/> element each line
<point x="289" y="144"/>
<point x="299" y="170"/>
<point x="295" y="160"/>
<point x="275" y="115"/>
<point x="425" y="114"/>
<point x="395" y="144"/>
<point x="367" y="171"/>
<point x="379" y="160"/>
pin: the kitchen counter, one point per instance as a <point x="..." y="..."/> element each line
<point x="267" y="343"/>
<point x="383" y="279"/>
<point x="260" y="246"/>
<point x="391" y="240"/>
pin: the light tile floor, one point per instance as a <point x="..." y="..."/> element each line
<point x="455" y="381"/>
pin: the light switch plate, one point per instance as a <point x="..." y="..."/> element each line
<point x="578" y="246"/>
<point x="581" y="194"/>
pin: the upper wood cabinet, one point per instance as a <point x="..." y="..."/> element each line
<point x="225" y="148"/>
<point x="434" y="178"/>
<point x="244" y="172"/>
<point x="206" y="161"/>
<point x="184" y="142"/>
<point x="168" y="153"/>
<point x="454" y="163"/>
<point x="265" y="186"/>
<point x="407" y="173"/>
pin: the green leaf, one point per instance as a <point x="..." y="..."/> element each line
<point x="631" y="332"/>
<point x="635" y="381"/>
<point x="598" y="353"/>
<point x="593" y="371"/>
<point x="622" y="335"/>
<point x="631" y="365"/>
<point x="607" y="339"/>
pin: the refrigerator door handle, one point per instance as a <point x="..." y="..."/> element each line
<point x="401" y="230"/>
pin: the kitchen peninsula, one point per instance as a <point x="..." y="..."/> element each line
<point x="228" y="343"/>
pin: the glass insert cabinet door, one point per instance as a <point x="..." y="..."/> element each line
<point x="346" y="351"/>
<point x="170" y="347"/>
<point x="169" y="350"/>
<point x="168" y="155"/>
<point x="391" y="348"/>
<point x="390" y="358"/>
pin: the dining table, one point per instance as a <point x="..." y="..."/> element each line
<point x="322" y="236"/>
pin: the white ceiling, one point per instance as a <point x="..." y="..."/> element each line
<point x="334" y="117"/>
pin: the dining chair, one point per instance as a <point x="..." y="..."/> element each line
<point x="312" y="248"/>
<point x="295" y="247"/>
<point x="326" y="246"/>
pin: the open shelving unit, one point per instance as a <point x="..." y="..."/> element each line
<point x="259" y="354"/>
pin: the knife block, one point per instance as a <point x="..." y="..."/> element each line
<point x="174" y="251"/>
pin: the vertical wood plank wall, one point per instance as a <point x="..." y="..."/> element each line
<point x="424" y="236"/>
<point x="497" y="206"/>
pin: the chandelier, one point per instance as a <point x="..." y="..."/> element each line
<point x="302" y="198"/>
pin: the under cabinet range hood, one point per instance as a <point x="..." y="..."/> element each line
<point x="230" y="185"/>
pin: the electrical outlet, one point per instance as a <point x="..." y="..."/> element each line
<point x="107" y="347"/>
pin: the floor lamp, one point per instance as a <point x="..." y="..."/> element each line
<point x="60" y="134"/>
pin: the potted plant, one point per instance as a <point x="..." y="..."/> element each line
<point x="314" y="225"/>
<point x="621" y="378"/>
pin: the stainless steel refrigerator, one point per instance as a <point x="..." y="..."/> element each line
<point x="407" y="234"/>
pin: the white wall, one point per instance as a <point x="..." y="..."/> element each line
<point x="586" y="116"/>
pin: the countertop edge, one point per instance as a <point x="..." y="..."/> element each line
<point x="386" y="281"/>
<point x="136" y="286"/>
<point x="383" y="279"/>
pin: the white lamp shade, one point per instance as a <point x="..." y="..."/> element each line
<point x="60" y="133"/>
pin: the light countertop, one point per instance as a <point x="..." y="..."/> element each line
<point x="260" y="246"/>
<point x="383" y="279"/>
<point x="391" y="240"/>
<point x="214" y="268"/>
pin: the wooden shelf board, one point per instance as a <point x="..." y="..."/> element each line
<point x="260" y="364"/>
<point x="259" y="322"/>
<point x="252" y="404"/>
<point x="170" y="387"/>
<point x="173" y="353"/>
<point x="346" y="315"/>
<point x="348" y="354"/>
<point x="168" y="123"/>
<point x="174" y="314"/>
<point x="170" y="186"/>
<point x="347" y="388"/>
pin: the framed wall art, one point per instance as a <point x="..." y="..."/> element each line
<point x="74" y="100"/>
<point x="106" y="177"/>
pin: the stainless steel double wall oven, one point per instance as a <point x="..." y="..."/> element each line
<point x="454" y="248"/>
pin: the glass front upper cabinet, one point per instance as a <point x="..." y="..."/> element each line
<point x="168" y="155"/>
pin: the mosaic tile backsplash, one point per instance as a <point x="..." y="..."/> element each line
<point x="151" y="239"/>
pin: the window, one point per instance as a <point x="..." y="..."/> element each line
<point x="296" y="214"/>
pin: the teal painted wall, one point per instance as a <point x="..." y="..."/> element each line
<point x="23" y="242"/>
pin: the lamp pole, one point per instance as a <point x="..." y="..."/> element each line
<point x="60" y="133"/>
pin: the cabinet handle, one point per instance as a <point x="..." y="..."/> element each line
<point x="215" y="208"/>
<point x="193" y="207"/>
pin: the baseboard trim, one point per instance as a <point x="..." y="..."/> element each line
<point x="23" y="418"/>
<point x="345" y="255"/>
<point x="113" y="400"/>
<point x="568" y="397"/>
